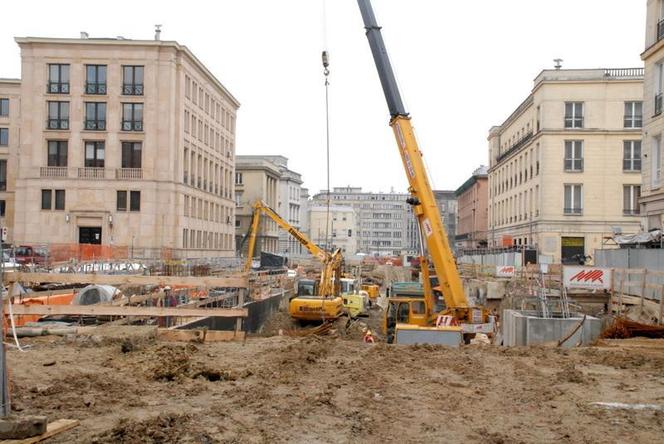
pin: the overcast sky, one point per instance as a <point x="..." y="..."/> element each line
<point x="462" y="67"/>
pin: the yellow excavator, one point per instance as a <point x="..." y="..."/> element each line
<point x="415" y="320"/>
<point x="322" y="300"/>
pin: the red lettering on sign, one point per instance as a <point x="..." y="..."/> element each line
<point x="589" y="276"/>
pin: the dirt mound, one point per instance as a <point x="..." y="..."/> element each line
<point x="279" y="321"/>
<point x="164" y="428"/>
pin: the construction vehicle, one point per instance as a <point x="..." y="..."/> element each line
<point x="410" y="320"/>
<point x="372" y="290"/>
<point x="356" y="301"/>
<point x="315" y="300"/>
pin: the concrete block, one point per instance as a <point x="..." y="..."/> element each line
<point x="14" y="427"/>
<point x="520" y="328"/>
<point x="495" y="290"/>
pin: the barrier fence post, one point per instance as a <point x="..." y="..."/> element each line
<point x="643" y="288"/>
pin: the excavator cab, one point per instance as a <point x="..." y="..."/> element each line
<point x="403" y="310"/>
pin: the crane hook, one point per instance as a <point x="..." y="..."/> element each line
<point x="326" y="63"/>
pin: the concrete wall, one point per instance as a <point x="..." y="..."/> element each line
<point x="521" y="328"/>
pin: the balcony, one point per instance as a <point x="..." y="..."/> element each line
<point x="53" y="171"/>
<point x="57" y="88"/>
<point x="57" y="124"/>
<point x="91" y="173"/>
<point x="129" y="173"/>
<point x="95" y="88"/>
<point x="573" y="211"/>
<point x="520" y="143"/>
<point x="132" y="125"/>
<point x="660" y="30"/>
<point x="132" y="89"/>
<point x="658" y="104"/>
<point x="95" y="125"/>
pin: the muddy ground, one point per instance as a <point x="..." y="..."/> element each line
<point x="337" y="390"/>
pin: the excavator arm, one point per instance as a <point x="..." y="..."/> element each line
<point x="422" y="198"/>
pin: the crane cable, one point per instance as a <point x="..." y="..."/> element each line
<point x="326" y="72"/>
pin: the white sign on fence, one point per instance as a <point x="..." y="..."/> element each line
<point x="591" y="278"/>
<point x="505" y="270"/>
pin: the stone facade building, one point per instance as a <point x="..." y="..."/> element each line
<point x="448" y="207"/>
<point x="565" y="167"/>
<point x="341" y="231"/>
<point x="124" y="142"/>
<point x="472" y="216"/>
<point x="10" y="115"/>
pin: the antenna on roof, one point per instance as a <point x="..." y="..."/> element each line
<point x="157" y="32"/>
<point x="84" y="35"/>
<point x="558" y="63"/>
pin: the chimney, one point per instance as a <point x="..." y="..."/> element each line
<point x="84" y="35"/>
<point x="157" y="32"/>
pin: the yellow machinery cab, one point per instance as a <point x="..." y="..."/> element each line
<point x="355" y="302"/>
<point x="306" y="306"/>
<point x="372" y="290"/>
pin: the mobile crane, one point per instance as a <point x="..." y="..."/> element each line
<point x="324" y="303"/>
<point x="413" y="320"/>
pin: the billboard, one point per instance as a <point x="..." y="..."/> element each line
<point x="505" y="270"/>
<point x="590" y="278"/>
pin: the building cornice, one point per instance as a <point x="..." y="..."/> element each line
<point x="137" y="43"/>
<point x="652" y="49"/>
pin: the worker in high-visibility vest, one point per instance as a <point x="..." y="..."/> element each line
<point x="368" y="337"/>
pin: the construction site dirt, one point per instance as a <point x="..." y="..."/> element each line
<point x="336" y="389"/>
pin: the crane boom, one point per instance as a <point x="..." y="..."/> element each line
<point x="422" y="198"/>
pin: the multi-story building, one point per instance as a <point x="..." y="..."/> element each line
<point x="341" y="232"/>
<point x="565" y="167"/>
<point x="287" y="204"/>
<point x="124" y="142"/>
<point x="447" y="205"/>
<point x="472" y="200"/>
<point x="387" y="225"/>
<point x="10" y="111"/>
<point x="256" y="178"/>
<point x="652" y="192"/>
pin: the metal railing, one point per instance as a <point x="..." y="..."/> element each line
<point x="635" y="121"/>
<point x="518" y="144"/>
<point x="573" y="122"/>
<point x="57" y="124"/>
<point x="660" y="30"/>
<point x="92" y="173"/>
<point x="573" y="211"/>
<point x="132" y="125"/>
<point x="129" y="173"/>
<point x="95" y="125"/>
<point x="132" y="89"/>
<point x="57" y="88"/>
<point x="95" y="88"/>
<point x="53" y="171"/>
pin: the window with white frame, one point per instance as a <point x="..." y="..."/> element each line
<point x="573" y="114"/>
<point x="574" y="155"/>
<point x="656" y="162"/>
<point x="633" y="114"/>
<point x="573" y="199"/>
<point x="631" y="194"/>
<point x="632" y="155"/>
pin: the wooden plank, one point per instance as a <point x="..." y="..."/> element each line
<point x="238" y="281"/>
<point x="127" y="310"/>
<point x="52" y="429"/>
<point x="202" y="335"/>
<point x="635" y="300"/>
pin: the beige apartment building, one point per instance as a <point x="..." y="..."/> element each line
<point x="256" y="178"/>
<point x="124" y="142"/>
<point x="10" y="114"/>
<point x="652" y="192"/>
<point x="565" y="167"/>
<point x="473" y="213"/>
<point x="341" y="232"/>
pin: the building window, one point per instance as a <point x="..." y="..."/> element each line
<point x="4" y="107"/>
<point x="121" y="201"/>
<point x="132" y="154"/>
<point x="656" y="162"/>
<point x="631" y="194"/>
<point x="632" y="155"/>
<point x="58" y="79"/>
<point x="95" y="81"/>
<point x="238" y="178"/>
<point x="58" y="115"/>
<point x="4" y="136"/>
<point x="134" y="201"/>
<point x="132" y="117"/>
<point x="659" y="88"/>
<point x="95" y="116"/>
<point x="573" y="114"/>
<point x="57" y="153"/>
<point x="573" y="155"/>
<point x="3" y="175"/>
<point x="573" y="199"/>
<point x="633" y="114"/>
<point x="94" y="154"/>
<point x="47" y="199"/>
<point x="132" y="80"/>
<point x="2" y="208"/>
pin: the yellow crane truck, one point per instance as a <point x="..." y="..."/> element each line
<point x="415" y="320"/>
